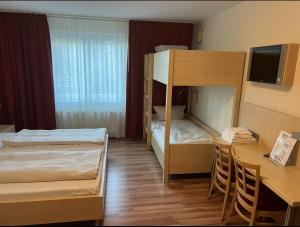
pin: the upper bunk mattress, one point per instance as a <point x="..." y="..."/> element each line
<point x="182" y="132"/>
<point x="27" y="137"/>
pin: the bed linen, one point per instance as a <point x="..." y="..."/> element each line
<point x="49" y="163"/>
<point x="56" y="137"/>
<point x="14" y="192"/>
<point x="182" y="132"/>
<point x="4" y="136"/>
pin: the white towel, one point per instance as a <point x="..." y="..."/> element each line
<point x="238" y="135"/>
<point x="248" y="141"/>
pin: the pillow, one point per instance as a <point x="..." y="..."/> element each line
<point x="167" y="47"/>
<point x="177" y="112"/>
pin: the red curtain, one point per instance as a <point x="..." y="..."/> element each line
<point x="143" y="37"/>
<point x="26" y="82"/>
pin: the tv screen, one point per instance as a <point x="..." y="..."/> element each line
<point x="264" y="64"/>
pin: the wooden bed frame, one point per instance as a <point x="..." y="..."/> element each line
<point x="58" y="210"/>
<point x="191" y="68"/>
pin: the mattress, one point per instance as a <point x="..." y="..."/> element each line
<point x="49" y="163"/>
<point x="14" y="192"/>
<point x="182" y="132"/>
<point x="27" y="137"/>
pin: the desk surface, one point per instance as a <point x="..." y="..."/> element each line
<point x="284" y="181"/>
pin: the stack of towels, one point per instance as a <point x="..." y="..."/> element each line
<point x="238" y="135"/>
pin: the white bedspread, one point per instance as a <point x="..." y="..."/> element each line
<point x="55" y="137"/>
<point x="182" y="131"/>
<point x="52" y="163"/>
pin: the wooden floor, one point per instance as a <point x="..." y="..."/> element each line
<point x="137" y="196"/>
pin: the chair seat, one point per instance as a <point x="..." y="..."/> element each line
<point x="269" y="201"/>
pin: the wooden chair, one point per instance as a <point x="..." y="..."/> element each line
<point x="222" y="174"/>
<point x="254" y="203"/>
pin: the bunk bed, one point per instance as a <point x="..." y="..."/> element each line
<point x="188" y="68"/>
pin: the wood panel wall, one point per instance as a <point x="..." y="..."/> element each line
<point x="268" y="124"/>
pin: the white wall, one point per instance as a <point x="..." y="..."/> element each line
<point x="258" y="23"/>
<point x="214" y="106"/>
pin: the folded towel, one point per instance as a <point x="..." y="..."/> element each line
<point x="238" y="135"/>
<point x="248" y="141"/>
<point x="243" y="136"/>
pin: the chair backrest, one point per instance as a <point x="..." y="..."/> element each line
<point x="223" y="166"/>
<point x="247" y="186"/>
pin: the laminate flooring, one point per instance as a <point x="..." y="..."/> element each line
<point x="136" y="195"/>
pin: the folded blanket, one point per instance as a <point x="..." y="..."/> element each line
<point x="48" y="164"/>
<point x="56" y="137"/>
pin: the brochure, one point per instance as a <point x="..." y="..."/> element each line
<point x="283" y="148"/>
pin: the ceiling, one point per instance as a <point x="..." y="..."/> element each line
<point x="138" y="10"/>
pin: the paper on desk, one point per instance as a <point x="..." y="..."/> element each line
<point x="283" y="148"/>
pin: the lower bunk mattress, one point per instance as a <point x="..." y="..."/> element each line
<point x="182" y="132"/>
<point x="191" y="147"/>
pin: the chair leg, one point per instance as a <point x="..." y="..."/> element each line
<point x="225" y="203"/>
<point x="230" y="210"/>
<point x="212" y="185"/>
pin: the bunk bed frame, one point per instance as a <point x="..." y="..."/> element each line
<point x="189" y="68"/>
<point x="148" y="87"/>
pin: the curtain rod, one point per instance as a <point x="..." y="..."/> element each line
<point x="86" y="17"/>
<point x="113" y="19"/>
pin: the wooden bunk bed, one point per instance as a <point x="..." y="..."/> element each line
<point x="189" y="68"/>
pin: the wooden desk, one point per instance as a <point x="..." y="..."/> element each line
<point x="284" y="181"/>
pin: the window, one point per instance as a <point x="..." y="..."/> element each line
<point x="89" y="67"/>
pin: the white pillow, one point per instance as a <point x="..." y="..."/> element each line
<point x="177" y="112"/>
<point x="167" y="47"/>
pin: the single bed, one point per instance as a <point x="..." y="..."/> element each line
<point x="190" y="146"/>
<point x="55" y="201"/>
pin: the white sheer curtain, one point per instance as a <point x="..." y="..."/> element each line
<point x="89" y="67"/>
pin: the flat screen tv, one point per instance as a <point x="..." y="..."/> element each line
<point x="266" y="64"/>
